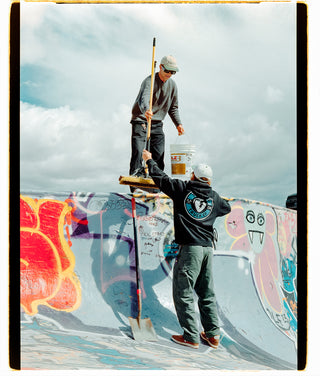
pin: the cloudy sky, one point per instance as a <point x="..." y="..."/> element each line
<point x="82" y="66"/>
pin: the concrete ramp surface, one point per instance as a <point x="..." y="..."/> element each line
<point x="78" y="285"/>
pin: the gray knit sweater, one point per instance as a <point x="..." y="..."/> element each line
<point x="165" y="101"/>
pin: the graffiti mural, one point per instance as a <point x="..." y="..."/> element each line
<point x="46" y="260"/>
<point x="107" y="224"/>
<point x="268" y="236"/>
<point x="77" y="259"/>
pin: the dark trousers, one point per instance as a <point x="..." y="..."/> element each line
<point x="193" y="271"/>
<point x="138" y="143"/>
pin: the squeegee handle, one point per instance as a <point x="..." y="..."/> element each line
<point x="151" y="86"/>
<point x="135" y="233"/>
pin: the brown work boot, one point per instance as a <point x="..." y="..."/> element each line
<point x="212" y="341"/>
<point x="183" y="342"/>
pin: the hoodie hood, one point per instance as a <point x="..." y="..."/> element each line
<point x="202" y="190"/>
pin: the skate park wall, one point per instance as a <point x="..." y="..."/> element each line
<point x="77" y="266"/>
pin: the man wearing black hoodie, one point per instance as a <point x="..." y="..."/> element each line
<point x="195" y="208"/>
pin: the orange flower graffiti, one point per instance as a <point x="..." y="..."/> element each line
<point x="46" y="261"/>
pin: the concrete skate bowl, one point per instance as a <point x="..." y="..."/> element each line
<point x="77" y="277"/>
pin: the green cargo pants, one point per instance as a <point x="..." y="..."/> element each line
<point x="193" y="271"/>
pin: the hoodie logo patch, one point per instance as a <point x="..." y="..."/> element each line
<point x="198" y="208"/>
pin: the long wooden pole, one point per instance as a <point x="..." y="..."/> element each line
<point x="151" y="93"/>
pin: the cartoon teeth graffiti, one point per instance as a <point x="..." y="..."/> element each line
<point x="254" y="231"/>
<point x="255" y="226"/>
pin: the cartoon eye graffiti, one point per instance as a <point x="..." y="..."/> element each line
<point x="260" y="219"/>
<point x="250" y="217"/>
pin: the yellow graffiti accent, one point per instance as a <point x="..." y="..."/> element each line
<point x="24" y="262"/>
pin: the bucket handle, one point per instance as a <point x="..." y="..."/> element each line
<point x="183" y="138"/>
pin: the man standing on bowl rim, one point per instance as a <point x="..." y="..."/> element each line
<point x="165" y="101"/>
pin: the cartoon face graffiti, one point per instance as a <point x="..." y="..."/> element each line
<point x="255" y="223"/>
<point x="251" y="227"/>
<point x="253" y="230"/>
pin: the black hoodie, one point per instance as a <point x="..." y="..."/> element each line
<point x="195" y="207"/>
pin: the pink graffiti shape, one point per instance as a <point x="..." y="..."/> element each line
<point x="265" y="264"/>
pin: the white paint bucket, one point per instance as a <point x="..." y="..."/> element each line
<point x="181" y="160"/>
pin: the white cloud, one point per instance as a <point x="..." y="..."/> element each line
<point x="274" y="95"/>
<point x="62" y="148"/>
<point x="151" y="16"/>
<point x="31" y="20"/>
<point x="32" y="16"/>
